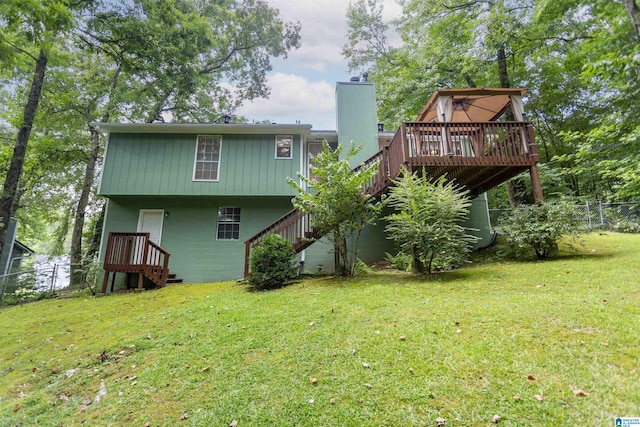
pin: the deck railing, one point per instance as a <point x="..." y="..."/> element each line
<point x="135" y="253"/>
<point x="421" y="144"/>
<point x="485" y="142"/>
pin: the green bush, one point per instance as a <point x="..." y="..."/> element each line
<point x="272" y="263"/>
<point x="401" y="261"/>
<point x="428" y="222"/>
<point x="538" y="228"/>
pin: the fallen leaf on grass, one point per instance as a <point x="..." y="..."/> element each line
<point x="233" y="423"/>
<point x="411" y="370"/>
<point x="402" y="338"/>
<point x="517" y="398"/>
<point x="313" y="380"/>
<point x="147" y="424"/>
<point x="368" y="385"/>
<point x="530" y="378"/>
<point x="16" y="408"/>
<point x="184" y="416"/>
<point x="63" y="397"/>
<point x="440" y="421"/>
<point x="311" y="401"/>
<point x="495" y="419"/>
<point x="205" y="369"/>
<point x="458" y="331"/>
<point x="365" y="364"/>
<point x="311" y="323"/>
<point x="332" y="401"/>
<point x="538" y="397"/>
<point x="580" y="393"/>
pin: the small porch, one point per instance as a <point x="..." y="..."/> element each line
<point x="136" y="254"/>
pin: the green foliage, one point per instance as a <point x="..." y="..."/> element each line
<point x="428" y="221"/>
<point x="579" y="59"/>
<point x="336" y="202"/>
<point x="538" y="228"/>
<point x="401" y="261"/>
<point x="272" y="263"/>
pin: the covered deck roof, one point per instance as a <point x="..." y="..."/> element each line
<point x="471" y="104"/>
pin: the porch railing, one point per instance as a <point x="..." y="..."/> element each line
<point x="487" y="143"/>
<point x="135" y="253"/>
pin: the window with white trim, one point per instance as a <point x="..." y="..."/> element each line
<point x="228" y="223"/>
<point x="207" y="161"/>
<point x="284" y="146"/>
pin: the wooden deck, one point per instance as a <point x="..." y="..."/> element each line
<point x="134" y="253"/>
<point x="477" y="155"/>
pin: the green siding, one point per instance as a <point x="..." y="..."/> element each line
<point x="189" y="231"/>
<point x="357" y="118"/>
<point x="162" y="164"/>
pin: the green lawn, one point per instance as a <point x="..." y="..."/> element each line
<point x="386" y="349"/>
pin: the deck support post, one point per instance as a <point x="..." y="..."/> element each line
<point x="538" y="197"/>
<point x="105" y="282"/>
<point x="140" y="281"/>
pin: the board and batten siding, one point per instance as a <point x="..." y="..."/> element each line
<point x="189" y="231"/>
<point x="162" y="164"/>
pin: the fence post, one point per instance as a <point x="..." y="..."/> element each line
<point x="589" y="215"/>
<point x="601" y="217"/>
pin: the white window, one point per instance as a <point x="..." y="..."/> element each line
<point x="284" y="146"/>
<point x="207" y="162"/>
<point x="228" y="223"/>
<point x="313" y="148"/>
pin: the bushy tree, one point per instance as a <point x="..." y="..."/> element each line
<point x="538" y="228"/>
<point x="272" y="263"/>
<point x="428" y="222"/>
<point x="335" y="199"/>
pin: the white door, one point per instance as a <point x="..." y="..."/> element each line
<point x="150" y="221"/>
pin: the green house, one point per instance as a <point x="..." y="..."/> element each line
<point x="196" y="198"/>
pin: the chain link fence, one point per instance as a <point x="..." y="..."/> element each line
<point x="39" y="283"/>
<point x="622" y="216"/>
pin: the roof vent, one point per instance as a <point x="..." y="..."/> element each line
<point x="380" y="127"/>
<point x="355" y="79"/>
<point x="365" y="76"/>
<point x="226" y="119"/>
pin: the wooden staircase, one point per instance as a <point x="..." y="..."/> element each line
<point x="134" y="253"/>
<point x="478" y="155"/>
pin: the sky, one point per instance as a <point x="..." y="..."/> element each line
<point x="303" y="84"/>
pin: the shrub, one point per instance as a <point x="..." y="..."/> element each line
<point x="538" y="228"/>
<point x="272" y="263"/>
<point x="428" y="222"/>
<point x="401" y="261"/>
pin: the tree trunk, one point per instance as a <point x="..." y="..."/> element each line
<point x="8" y="203"/>
<point x="505" y="83"/>
<point x="78" y="223"/>
<point x="96" y="236"/>
<point x="417" y="267"/>
<point x="634" y="14"/>
<point x="89" y="176"/>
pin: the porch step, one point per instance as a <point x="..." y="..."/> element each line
<point x="172" y="278"/>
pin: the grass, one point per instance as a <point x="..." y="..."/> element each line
<point x="209" y="354"/>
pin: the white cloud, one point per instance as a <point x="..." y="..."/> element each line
<point x="324" y="30"/>
<point x="303" y="86"/>
<point x="292" y="98"/>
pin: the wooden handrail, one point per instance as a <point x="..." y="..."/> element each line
<point x="417" y="144"/>
<point x="135" y="253"/>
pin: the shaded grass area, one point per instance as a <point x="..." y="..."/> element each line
<point x="386" y="349"/>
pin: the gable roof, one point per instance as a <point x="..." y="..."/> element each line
<point x="23" y="247"/>
<point x="479" y="104"/>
